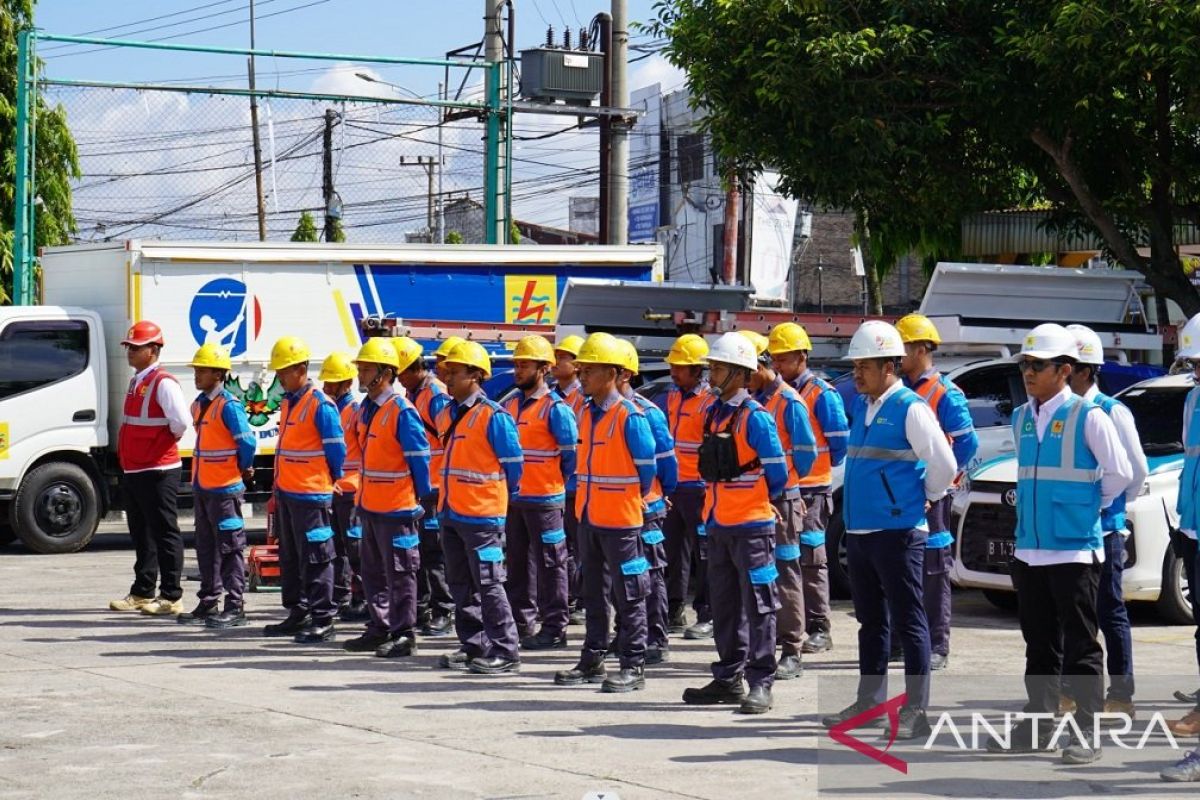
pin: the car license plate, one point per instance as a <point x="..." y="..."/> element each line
<point x="1000" y="551"/>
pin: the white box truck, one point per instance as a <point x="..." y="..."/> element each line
<point x="63" y="374"/>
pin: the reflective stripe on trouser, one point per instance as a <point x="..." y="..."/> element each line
<point x="614" y="563"/>
<point x="790" y="623"/>
<point x="814" y="563"/>
<point x="657" y="606"/>
<point x="220" y="547"/>
<point x="390" y="559"/>
<point x="475" y="573"/>
<point x="346" y="564"/>
<point x="536" y="552"/>
<point x="305" y="567"/>
<point x="686" y="551"/>
<point x="742" y="577"/>
<point x="886" y="580"/>
<point x="433" y="594"/>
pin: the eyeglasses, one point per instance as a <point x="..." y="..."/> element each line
<point x="1037" y="365"/>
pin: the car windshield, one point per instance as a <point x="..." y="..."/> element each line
<point x="1158" y="412"/>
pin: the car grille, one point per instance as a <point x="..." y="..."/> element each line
<point x="986" y="521"/>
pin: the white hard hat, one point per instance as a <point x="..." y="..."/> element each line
<point x="875" y="339"/>
<point x="1189" y="339"/>
<point x="733" y="348"/>
<point x="1048" y="340"/>
<point x="1087" y="341"/>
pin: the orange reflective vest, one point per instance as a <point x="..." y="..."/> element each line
<point x="437" y="453"/>
<point x="932" y="391"/>
<point x="300" y="465"/>
<point x="573" y="396"/>
<point x="473" y="481"/>
<point x="609" y="493"/>
<point x="746" y="499"/>
<point x="387" y="484"/>
<point x="685" y="415"/>
<point x="543" y="462"/>
<point x="776" y="405"/>
<point x="214" y="459"/>
<point x="821" y="473"/>
<point x="349" y="482"/>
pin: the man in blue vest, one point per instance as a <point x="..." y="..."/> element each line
<point x="898" y="464"/>
<point x="1110" y="601"/>
<point x="1071" y="464"/>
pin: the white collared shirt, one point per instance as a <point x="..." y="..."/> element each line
<point x="176" y="409"/>
<point x="1115" y="473"/>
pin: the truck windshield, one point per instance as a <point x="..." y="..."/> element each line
<point x="1158" y="413"/>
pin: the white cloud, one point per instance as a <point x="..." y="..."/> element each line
<point x="656" y="69"/>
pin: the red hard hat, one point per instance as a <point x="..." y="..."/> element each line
<point x="143" y="332"/>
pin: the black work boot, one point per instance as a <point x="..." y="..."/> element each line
<point x="297" y="620"/>
<point x="701" y="630"/>
<point x="789" y="667"/>
<point x="315" y="633"/>
<point x="355" y="611"/>
<point x="583" y="672"/>
<point x="629" y="679"/>
<point x="457" y="660"/>
<point x="436" y="625"/>
<point x="231" y="617"/>
<point x="676" y="620"/>
<point x="817" y="642"/>
<point x="366" y="643"/>
<point x="758" y="701"/>
<point x="913" y="724"/>
<point x="544" y="640"/>
<point x="850" y="712"/>
<point x="494" y="665"/>
<point x="657" y="655"/>
<point x="198" y="615"/>
<point x="397" y="647"/>
<point x="715" y="693"/>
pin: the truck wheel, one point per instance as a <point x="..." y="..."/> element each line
<point x="57" y="508"/>
<point x="1005" y="601"/>
<point x="1172" y="603"/>
<point x="835" y="548"/>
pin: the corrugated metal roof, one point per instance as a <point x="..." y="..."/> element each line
<point x="995" y="232"/>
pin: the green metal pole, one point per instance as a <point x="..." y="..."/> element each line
<point x="22" y="256"/>
<point x="491" y="167"/>
<point x="508" y="150"/>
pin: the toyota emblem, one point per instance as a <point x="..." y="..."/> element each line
<point x="1010" y="497"/>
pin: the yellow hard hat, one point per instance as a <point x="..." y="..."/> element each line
<point x="631" y="355"/>
<point x="407" y="351"/>
<point x="601" y="348"/>
<point x="378" y="350"/>
<point x="473" y="355"/>
<point x="570" y="344"/>
<point x="337" y="367"/>
<point x="689" y="350"/>
<point x="534" y="348"/>
<point x="449" y="344"/>
<point x="289" y="351"/>
<point x="759" y="341"/>
<point x="212" y="357"/>
<point x="917" y="328"/>
<point x="788" y="337"/>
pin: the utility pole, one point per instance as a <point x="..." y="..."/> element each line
<point x="493" y="53"/>
<point x="432" y="172"/>
<point x="732" y="202"/>
<point x="327" y="169"/>
<point x="605" y="129"/>
<point x="440" y="233"/>
<point x="618" y="166"/>
<point x="258" y="183"/>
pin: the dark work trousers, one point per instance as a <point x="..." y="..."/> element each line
<point x="151" y="503"/>
<point x="391" y="557"/>
<point x="936" y="596"/>
<point x="1114" y="619"/>
<point x="614" y="563"/>
<point x="745" y="598"/>
<point x="886" y="578"/>
<point x="475" y="572"/>
<point x="687" y="551"/>
<point x="1056" y="605"/>
<point x="790" y="622"/>
<point x="814" y="561"/>
<point x="433" y="593"/>
<point x="345" y="573"/>
<point x="536" y="548"/>
<point x="1191" y="559"/>
<point x="574" y="573"/>
<point x="306" y="554"/>
<point x="220" y="547"/>
<point x="654" y="545"/>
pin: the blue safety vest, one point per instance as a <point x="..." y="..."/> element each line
<point x="1189" y="482"/>
<point x="1058" y="481"/>
<point x="1113" y="517"/>
<point x="885" y="480"/>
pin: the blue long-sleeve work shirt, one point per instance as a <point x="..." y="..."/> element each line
<point x="953" y="416"/>
<point x="333" y="441"/>
<point x="505" y="442"/>
<point x="666" y="465"/>
<point x="410" y="433"/>
<point x="830" y="413"/>
<point x="233" y="417"/>
<point x="763" y="438"/>
<point x="796" y="423"/>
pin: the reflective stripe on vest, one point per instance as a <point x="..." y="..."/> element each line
<point x="1058" y="481"/>
<point x="686" y="419"/>
<point x="745" y="500"/>
<point x="885" y="480"/>
<point x="144" y="440"/>
<point x="437" y="452"/>
<point x="300" y="465"/>
<point x="349" y="482"/>
<point x="214" y="459"/>
<point x="542" y="475"/>
<point x="387" y="485"/>
<point x="776" y="405"/>
<point x="821" y="473"/>
<point x="473" y="483"/>
<point x="609" y="493"/>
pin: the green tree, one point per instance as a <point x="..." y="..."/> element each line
<point x="306" y="229"/>
<point x="913" y="114"/>
<point x="454" y="237"/>
<point x="339" y="233"/>
<point x="514" y="233"/>
<point x="57" y="161"/>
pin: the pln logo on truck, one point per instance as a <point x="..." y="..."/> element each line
<point x="532" y="299"/>
<point x="225" y="313"/>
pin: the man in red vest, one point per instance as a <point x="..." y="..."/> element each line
<point x="156" y="415"/>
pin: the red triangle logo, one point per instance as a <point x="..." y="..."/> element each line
<point x="840" y="733"/>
